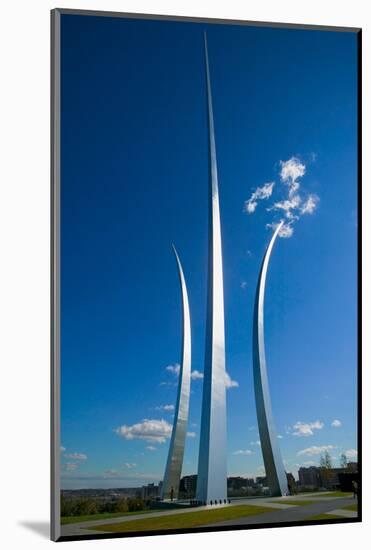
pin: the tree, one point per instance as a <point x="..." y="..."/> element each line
<point x="343" y="461"/>
<point x="325" y="465"/>
<point x="325" y="461"/>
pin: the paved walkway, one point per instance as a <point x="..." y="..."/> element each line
<point x="282" y="507"/>
<point x="296" y="513"/>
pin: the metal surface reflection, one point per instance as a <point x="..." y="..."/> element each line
<point x="212" y="462"/>
<point x="170" y="488"/>
<point x="274" y="468"/>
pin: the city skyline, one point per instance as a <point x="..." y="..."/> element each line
<point x="125" y="199"/>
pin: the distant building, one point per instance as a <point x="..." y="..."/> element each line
<point x="352" y="466"/>
<point x="187" y="487"/>
<point x="150" y="491"/>
<point x="261" y="480"/>
<point x="236" y="483"/>
<point x="324" y="478"/>
<point x="309" y="478"/>
<point x="330" y="476"/>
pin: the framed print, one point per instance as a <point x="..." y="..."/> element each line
<point x="205" y="275"/>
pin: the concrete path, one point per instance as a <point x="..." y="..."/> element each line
<point x="344" y="513"/>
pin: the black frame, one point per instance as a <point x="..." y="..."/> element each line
<point x="55" y="270"/>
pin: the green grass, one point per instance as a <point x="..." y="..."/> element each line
<point x="185" y="520"/>
<point x="322" y="516"/>
<point x="65" y="520"/>
<point x="352" y="507"/>
<point x="293" y="502"/>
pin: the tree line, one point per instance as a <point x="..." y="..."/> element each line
<point x="85" y="506"/>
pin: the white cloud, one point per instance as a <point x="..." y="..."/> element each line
<point x="310" y="205"/>
<point x="71" y="466"/>
<point x="256" y="443"/>
<point x="280" y="436"/>
<point x="191" y="434"/>
<point x="62" y="449"/>
<point x="196" y="375"/>
<point x="76" y="456"/>
<point x="302" y="429"/>
<point x="148" y="430"/>
<point x="246" y="452"/>
<point x="293" y="204"/>
<point x="151" y="448"/>
<point x="286" y="230"/>
<point x="260" y="193"/>
<point x="243" y="284"/>
<point x="351" y="453"/>
<point x="291" y="171"/>
<point x="336" y="423"/>
<point x="174" y="369"/>
<point x="312" y="451"/>
<point x="111" y="473"/>
<point x="167" y="408"/>
<point x="287" y="205"/>
<point x="129" y="465"/>
<point x="229" y="383"/>
<point x="308" y="463"/>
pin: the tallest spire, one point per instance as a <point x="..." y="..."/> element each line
<point x="212" y="462"/>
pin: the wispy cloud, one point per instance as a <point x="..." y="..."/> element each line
<point x="129" y="465"/>
<point x="315" y="450"/>
<point x="309" y="205"/>
<point x="229" y="383"/>
<point x="293" y="204"/>
<point x="336" y="423"/>
<point x="174" y="369"/>
<point x="243" y="284"/>
<point x="351" y="453"/>
<point x="256" y="443"/>
<point x="148" y="430"/>
<point x="260" y="193"/>
<point x="76" y="456"/>
<point x="197" y="375"/>
<point x="291" y="171"/>
<point x="70" y="466"/>
<point x="245" y="452"/>
<point x="111" y="473"/>
<point x="166" y="408"/>
<point x="62" y="449"/>
<point x="303" y="429"/>
<point x="191" y="434"/>
<point x="151" y="448"/>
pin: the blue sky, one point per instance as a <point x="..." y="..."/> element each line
<point x="134" y="180"/>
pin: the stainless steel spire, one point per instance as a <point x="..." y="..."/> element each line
<point x="174" y="463"/>
<point x="274" y="469"/>
<point x="212" y="461"/>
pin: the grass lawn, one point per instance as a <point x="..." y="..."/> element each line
<point x="323" y="516"/>
<point x="334" y="494"/>
<point x="352" y="507"/>
<point x="184" y="521"/>
<point x="65" y="520"/>
<point x="294" y="502"/>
